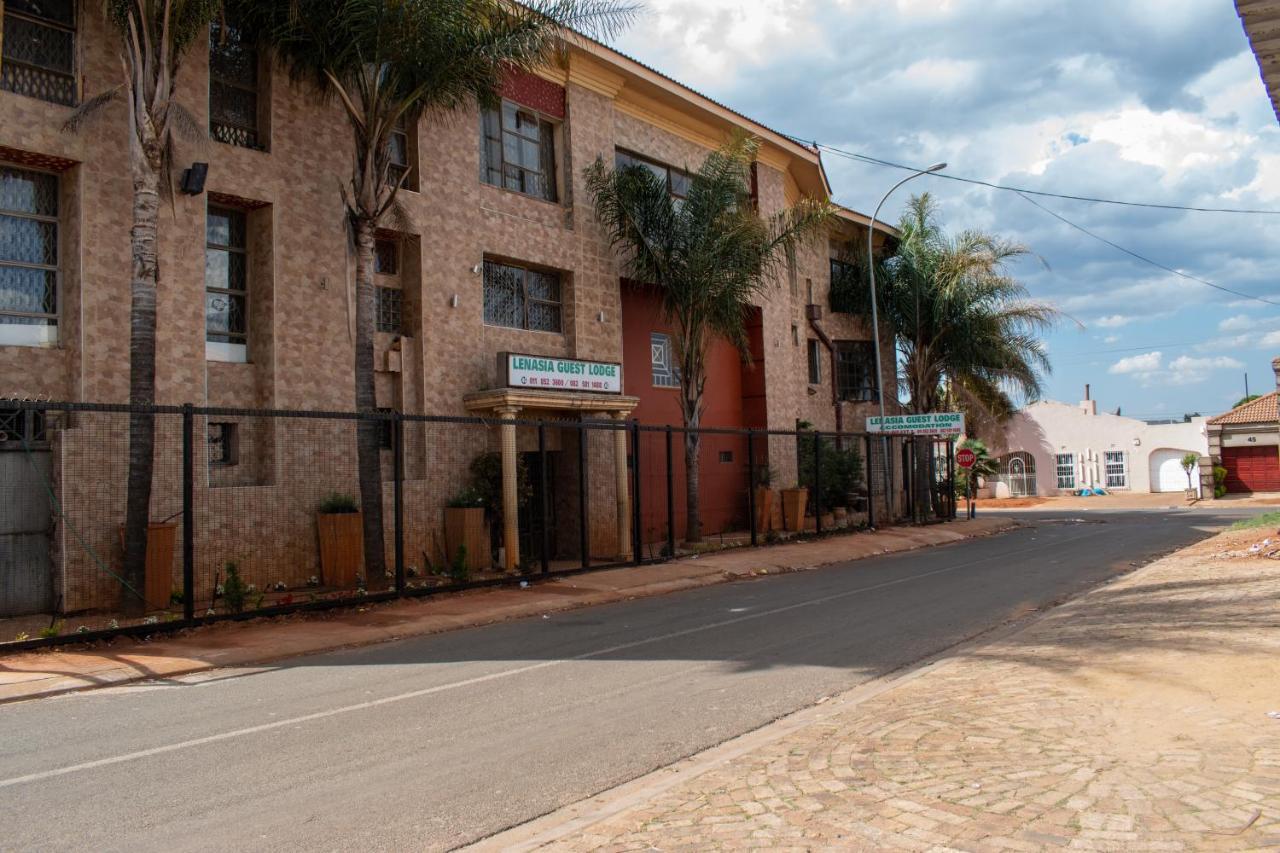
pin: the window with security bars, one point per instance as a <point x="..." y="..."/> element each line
<point x="38" y="48"/>
<point x="226" y="276"/>
<point x="856" y="371"/>
<point x="233" y="87"/>
<point x="224" y="444"/>
<point x="1117" y="471"/>
<point x="1065" y="465"/>
<point x="519" y="151"/>
<point x="398" y="154"/>
<point x="390" y="298"/>
<point x="22" y="429"/>
<point x="520" y="298"/>
<point x="662" y="361"/>
<point x="28" y="252"/>
<point x="815" y="361"/>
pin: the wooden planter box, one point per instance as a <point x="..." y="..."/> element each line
<point x="764" y="509"/>
<point x="466" y="526"/>
<point x="794" y="502"/>
<point x="341" y="547"/>
<point x="161" y="538"/>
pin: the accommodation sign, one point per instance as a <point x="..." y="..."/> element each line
<point x="935" y="423"/>
<point x="546" y="373"/>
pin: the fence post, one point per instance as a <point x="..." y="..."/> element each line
<point x="951" y="477"/>
<point x="671" y="502"/>
<point x="637" y="535"/>
<point x="871" y="490"/>
<point x="817" y="482"/>
<point x="751" y="487"/>
<point x="188" y="514"/>
<point x="584" y="527"/>
<point x="397" y="448"/>
<point x="543" y="498"/>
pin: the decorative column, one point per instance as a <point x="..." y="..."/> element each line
<point x="623" y="487"/>
<point x="510" y="495"/>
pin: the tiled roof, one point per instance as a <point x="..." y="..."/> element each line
<point x="1264" y="410"/>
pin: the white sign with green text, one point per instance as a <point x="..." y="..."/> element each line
<point x="934" y="423"/>
<point x="563" y="374"/>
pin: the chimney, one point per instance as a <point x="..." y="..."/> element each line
<point x="1090" y="407"/>
<point x="1275" y="366"/>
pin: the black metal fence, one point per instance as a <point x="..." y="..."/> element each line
<point x="256" y="512"/>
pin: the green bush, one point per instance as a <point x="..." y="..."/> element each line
<point x="459" y="571"/>
<point x="468" y="498"/>
<point x="337" y="503"/>
<point x="234" y="589"/>
<point x="841" y="471"/>
<point x="1219" y="481"/>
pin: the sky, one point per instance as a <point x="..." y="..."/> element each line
<point x="1141" y="100"/>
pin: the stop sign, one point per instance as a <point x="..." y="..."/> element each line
<point x="966" y="458"/>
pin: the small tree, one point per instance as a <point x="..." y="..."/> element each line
<point x="386" y="61"/>
<point x="1190" y="462"/>
<point x="983" y="466"/>
<point x="710" y="255"/>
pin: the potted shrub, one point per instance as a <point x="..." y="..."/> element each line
<point x="764" y="498"/>
<point x="158" y="568"/>
<point x="466" y="532"/>
<point x="339" y="526"/>
<point x="794" y="502"/>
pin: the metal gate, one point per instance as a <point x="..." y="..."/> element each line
<point x="1020" y="475"/>
<point x="26" y="466"/>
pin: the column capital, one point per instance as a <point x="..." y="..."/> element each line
<point x="507" y="413"/>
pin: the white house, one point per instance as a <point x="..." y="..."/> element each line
<point x="1053" y="448"/>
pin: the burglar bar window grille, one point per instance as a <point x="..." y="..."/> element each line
<point x="28" y="249"/>
<point x="520" y="298"/>
<point x="1116" y="470"/>
<point x="390" y="298"/>
<point x="233" y="87"/>
<point x="22" y="429"/>
<point x="1066" y="469"/>
<point x="226" y="276"/>
<point x="662" y="361"/>
<point x="38" y="41"/>
<point x="815" y="362"/>
<point x="856" y="371"/>
<point x="398" y="153"/>
<point x="519" y="151"/>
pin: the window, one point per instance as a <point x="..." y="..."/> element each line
<point x="224" y="444"/>
<point x="1065" y="463"/>
<point x="519" y="151"/>
<point x="662" y="361"/>
<point x="21" y="429"/>
<point x="815" y="362"/>
<point x="386" y="270"/>
<point x="677" y="180"/>
<point x="28" y="256"/>
<point x="1117" y="470"/>
<point x="386" y="432"/>
<point x="233" y="87"/>
<point x="520" y="298"/>
<point x="726" y="457"/>
<point x="398" y="154"/>
<point x="37" y="49"/>
<point x="856" y="371"/>
<point x="226" y="274"/>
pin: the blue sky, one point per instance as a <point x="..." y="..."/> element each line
<point x="1145" y="100"/>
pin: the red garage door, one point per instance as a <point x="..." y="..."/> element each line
<point x="1252" y="469"/>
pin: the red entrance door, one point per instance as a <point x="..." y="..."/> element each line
<point x="1252" y="469"/>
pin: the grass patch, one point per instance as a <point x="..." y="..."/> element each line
<point x="1267" y="519"/>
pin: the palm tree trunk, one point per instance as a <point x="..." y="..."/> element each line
<point x="693" y="519"/>
<point x="142" y="378"/>
<point x="368" y="432"/>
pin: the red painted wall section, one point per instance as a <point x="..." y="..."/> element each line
<point x="530" y="90"/>
<point x="723" y="486"/>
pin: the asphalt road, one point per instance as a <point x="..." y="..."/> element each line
<point x="438" y="741"/>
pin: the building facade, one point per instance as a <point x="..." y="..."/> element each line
<point x="496" y="250"/>
<point x="1052" y="448"/>
<point x="1245" y="442"/>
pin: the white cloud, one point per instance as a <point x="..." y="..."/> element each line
<point x="1138" y="365"/>
<point x="1186" y="370"/>
<point x="1238" y="323"/>
<point x="1270" y="339"/>
<point x="1112" y="339"/>
<point x="1114" y="321"/>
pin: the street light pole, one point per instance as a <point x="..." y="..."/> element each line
<point x="875" y="324"/>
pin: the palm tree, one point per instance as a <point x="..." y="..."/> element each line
<point x="155" y="35"/>
<point x="387" y="61"/>
<point x="709" y="256"/>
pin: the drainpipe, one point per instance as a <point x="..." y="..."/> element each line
<point x="814" y="315"/>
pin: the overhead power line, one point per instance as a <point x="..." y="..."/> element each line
<point x="876" y="161"/>
<point x="1144" y="258"/>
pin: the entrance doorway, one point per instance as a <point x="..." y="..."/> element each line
<point x="531" y="514"/>
<point x="1019" y="475"/>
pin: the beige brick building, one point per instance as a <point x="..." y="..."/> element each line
<point x="256" y="296"/>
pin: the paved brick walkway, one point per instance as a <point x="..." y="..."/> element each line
<point x="1135" y="718"/>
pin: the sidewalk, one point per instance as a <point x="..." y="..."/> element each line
<point x="1142" y="716"/>
<point x="35" y="674"/>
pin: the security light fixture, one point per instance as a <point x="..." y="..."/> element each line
<point x="193" y="179"/>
